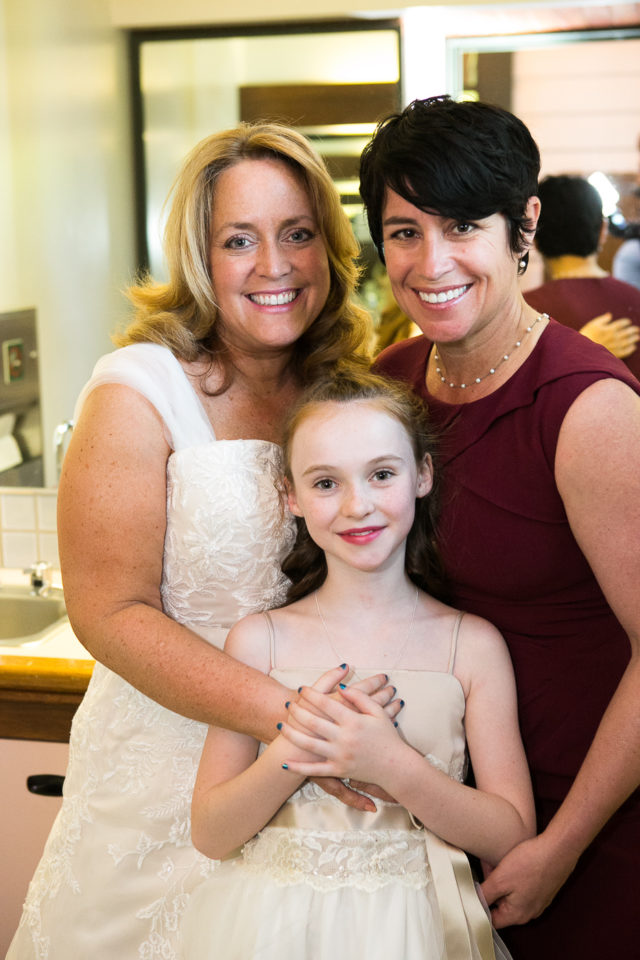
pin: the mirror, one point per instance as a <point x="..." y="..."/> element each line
<point x="331" y="82"/>
<point x="576" y="91"/>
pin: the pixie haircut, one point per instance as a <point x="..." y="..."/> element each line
<point x="464" y="160"/>
<point x="570" y="217"/>
<point x="306" y="565"/>
<point x="182" y="314"/>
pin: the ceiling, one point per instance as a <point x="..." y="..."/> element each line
<point x="542" y="19"/>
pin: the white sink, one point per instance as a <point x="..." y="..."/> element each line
<point x="26" y="616"/>
<point x="42" y="628"/>
<point x="59" y="643"/>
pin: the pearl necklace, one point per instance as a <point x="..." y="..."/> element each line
<point x="402" y="646"/>
<point x="503" y="358"/>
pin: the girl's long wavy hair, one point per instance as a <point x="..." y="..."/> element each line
<point x="182" y="314"/>
<point x="306" y="565"/>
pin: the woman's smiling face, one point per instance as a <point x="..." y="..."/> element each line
<point x="269" y="264"/>
<point x="452" y="278"/>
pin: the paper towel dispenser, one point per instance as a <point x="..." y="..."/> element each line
<point x="20" y="422"/>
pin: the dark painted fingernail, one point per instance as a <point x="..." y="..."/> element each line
<point x="299" y="689"/>
<point x="386" y="678"/>
<point x="402" y="703"/>
<point x="285" y="766"/>
<point x="343" y="666"/>
<point x="287" y="704"/>
<point x="395" y="723"/>
<point x="342" y="686"/>
<point x="395" y="690"/>
<point x="279" y="726"/>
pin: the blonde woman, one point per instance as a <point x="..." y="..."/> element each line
<point x="172" y="525"/>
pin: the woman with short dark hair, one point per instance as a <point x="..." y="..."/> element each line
<point x="540" y="529"/>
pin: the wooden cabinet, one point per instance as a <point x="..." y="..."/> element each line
<point x="39" y="696"/>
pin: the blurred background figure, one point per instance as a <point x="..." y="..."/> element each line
<point x="626" y="262"/>
<point x="392" y="324"/>
<point x="577" y="291"/>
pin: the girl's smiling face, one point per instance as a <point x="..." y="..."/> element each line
<point x="355" y="482"/>
<point x="269" y="264"/>
<point x="452" y="278"/>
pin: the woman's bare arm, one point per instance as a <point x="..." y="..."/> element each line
<point x="597" y="472"/>
<point x="111" y="521"/>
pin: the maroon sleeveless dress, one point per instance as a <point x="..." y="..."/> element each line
<point x="511" y="557"/>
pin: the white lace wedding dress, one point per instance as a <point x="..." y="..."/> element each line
<point x="118" y="867"/>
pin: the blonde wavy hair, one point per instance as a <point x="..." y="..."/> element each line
<point x="182" y="314"/>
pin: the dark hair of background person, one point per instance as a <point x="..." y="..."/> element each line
<point x="306" y="565"/>
<point x="465" y="160"/>
<point x="570" y="217"/>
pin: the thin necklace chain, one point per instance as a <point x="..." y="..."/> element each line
<point x="402" y="646"/>
<point x="503" y="359"/>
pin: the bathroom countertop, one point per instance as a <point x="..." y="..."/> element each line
<point x="42" y="684"/>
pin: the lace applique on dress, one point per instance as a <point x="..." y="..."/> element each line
<point x="330" y="860"/>
<point x="119" y="866"/>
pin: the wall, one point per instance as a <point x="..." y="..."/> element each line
<point x="28" y="528"/>
<point x="581" y="102"/>
<point x="66" y="228"/>
<point x="142" y="13"/>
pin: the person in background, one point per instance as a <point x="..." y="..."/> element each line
<point x="570" y="232"/>
<point x="393" y="325"/>
<point x="172" y="525"/>
<point x="626" y="260"/>
<point x="540" y="526"/>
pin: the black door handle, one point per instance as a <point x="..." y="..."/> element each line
<point x="45" y="784"/>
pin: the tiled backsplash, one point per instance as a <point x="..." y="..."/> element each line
<point x="28" y="528"/>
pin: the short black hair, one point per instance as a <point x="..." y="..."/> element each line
<point x="464" y="160"/>
<point x="570" y="217"/>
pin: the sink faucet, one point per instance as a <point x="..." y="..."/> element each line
<point x="40" y="581"/>
<point x="59" y="434"/>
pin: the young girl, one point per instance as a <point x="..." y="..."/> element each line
<point x="305" y="877"/>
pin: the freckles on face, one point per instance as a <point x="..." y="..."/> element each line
<point x="269" y="264"/>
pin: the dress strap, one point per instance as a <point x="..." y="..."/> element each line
<point x="454" y="642"/>
<point x="272" y="640"/>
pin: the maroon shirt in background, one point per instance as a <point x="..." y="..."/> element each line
<point x="576" y="300"/>
<point x="511" y="557"/>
